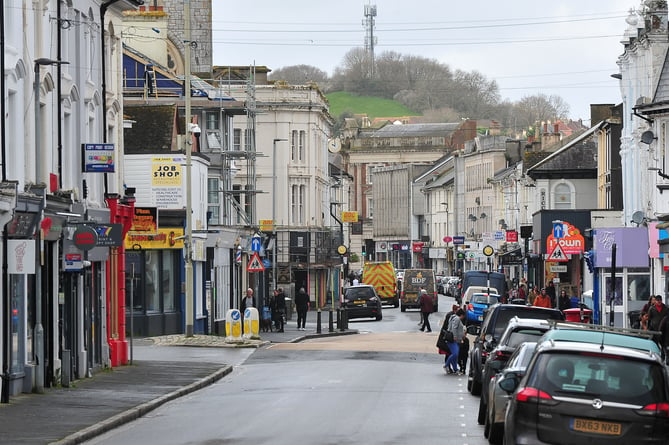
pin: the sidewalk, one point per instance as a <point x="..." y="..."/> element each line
<point x="163" y="369"/>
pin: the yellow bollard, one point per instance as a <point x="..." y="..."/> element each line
<point x="233" y="325"/>
<point x="251" y="323"/>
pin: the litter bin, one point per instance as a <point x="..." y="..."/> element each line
<point x="575" y="315"/>
<point x="289" y="308"/>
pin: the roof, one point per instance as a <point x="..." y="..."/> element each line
<point x="596" y="348"/>
<point x="413" y="130"/>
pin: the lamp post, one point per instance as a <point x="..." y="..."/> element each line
<point x="39" y="329"/>
<point x="276" y="243"/>
<point x="189" y="150"/>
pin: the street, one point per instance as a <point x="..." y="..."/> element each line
<point x="383" y="386"/>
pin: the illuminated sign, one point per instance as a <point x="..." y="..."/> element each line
<point x="165" y="238"/>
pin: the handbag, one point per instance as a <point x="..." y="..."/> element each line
<point x="448" y="336"/>
<point x="441" y="342"/>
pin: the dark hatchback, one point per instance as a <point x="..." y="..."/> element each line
<point x="361" y="301"/>
<point x="584" y="393"/>
<point x="488" y="334"/>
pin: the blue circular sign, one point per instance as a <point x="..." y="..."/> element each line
<point x="235" y="315"/>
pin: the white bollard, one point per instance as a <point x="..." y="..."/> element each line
<point x="233" y="325"/>
<point x="251" y="323"/>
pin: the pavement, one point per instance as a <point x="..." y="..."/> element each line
<point x="161" y="369"/>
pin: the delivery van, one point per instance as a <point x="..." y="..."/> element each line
<point x="381" y="275"/>
<point x="414" y="280"/>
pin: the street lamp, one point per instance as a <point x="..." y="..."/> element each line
<point x="39" y="329"/>
<point x="276" y="244"/>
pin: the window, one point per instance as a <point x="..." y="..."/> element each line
<point x="212" y="121"/>
<point x="213" y="201"/>
<point x="562" y="195"/>
<point x="248" y="139"/>
<point x="152" y="281"/>
<point x="303" y="139"/>
<point x="169" y="280"/>
<point x="293" y="146"/>
<point x="237" y="139"/>
<point x="297" y="204"/>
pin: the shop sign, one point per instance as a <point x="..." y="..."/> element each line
<point x="20" y="256"/>
<point x="145" y="220"/>
<point x="511" y="236"/>
<point x="571" y="243"/>
<point x="350" y="217"/>
<point x="97" y="158"/>
<point x="417" y="247"/>
<point x="166" y="238"/>
<point x="85" y="238"/>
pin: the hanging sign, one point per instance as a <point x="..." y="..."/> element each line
<point x="572" y="241"/>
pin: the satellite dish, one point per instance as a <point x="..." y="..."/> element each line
<point x="647" y="137"/>
<point x="334" y="145"/>
<point x="638" y="217"/>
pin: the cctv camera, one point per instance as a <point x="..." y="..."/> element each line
<point x="195" y="129"/>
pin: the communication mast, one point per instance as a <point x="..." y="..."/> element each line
<point x="370" y="40"/>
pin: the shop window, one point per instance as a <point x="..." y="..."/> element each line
<point x="169" y="280"/>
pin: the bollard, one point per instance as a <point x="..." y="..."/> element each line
<point x="330" y="321"/>
<point x="318" y="321"/>
<point x="233" y="325"/>
<point x="251" y="323"/>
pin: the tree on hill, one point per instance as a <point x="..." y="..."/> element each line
<point x="299" y="75"/>
<point x="539" y="108"/>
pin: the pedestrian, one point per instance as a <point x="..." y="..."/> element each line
<point x="656" y="313"/>
<point x="550" y="290"/>
<point x="564" y="302"/>
<point x="426" y="308"/>
<point x="522" y="295"/>
<point x="543" y="300"/>
<point x="302" y="302"/>
<point x="643" y="316"/>
<point x="356" y="281"/>
<point x="531" y="296"/>
<point x="457" y="328"/>
<point x="442" y="341"/>
<point x="278" y="305"/>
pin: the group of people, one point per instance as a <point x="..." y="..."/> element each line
<point x="275" y="309"/>
<point x="654" y="316"/>
<point x="452" y="341"/>
<point x="545" y="297"/>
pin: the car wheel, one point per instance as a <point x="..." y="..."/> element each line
<point x="486" y="427"/>
<point x="397" y="303"/>
<point x="482" y="412"/>
<point x="404" y="309"/>
<point x="379" y="317"/>
<point x="495" y="436"/>
<point x="476" y="387"/>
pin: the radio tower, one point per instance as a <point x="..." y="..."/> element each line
<point x="370" y="40"/>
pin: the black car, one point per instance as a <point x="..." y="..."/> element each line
<point x="362" y="301"/>
<point x="518" y="331"/>
<point x="488" y="335"/>
<point x="587" y="393"/>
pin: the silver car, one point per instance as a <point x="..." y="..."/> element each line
<point x="498" y="398"/>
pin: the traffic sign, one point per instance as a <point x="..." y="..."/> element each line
<point x="558" y="229"/>
<point x="458" y="240"/>
<point x="255" y="244"/>
<point x="488" y="250"/>
<point x="255" y="264"/>
<point x="557" y="254"/>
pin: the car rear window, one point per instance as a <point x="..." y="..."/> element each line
<point x="524" y="335"/>
<point x="485" y="299"/>
<point x="607" y="377"/>
<point x="359" y="294"/>
<point x="505" y="315"/>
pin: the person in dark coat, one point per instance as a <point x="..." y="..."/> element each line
<point x="656" y="313"/>
<point x="564" y="302"/>
<point x="426" y="308"/>
<point x="278" y="305"/>
<point x="302" y="307"/>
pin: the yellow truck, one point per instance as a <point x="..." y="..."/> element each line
<point x="381" y="275"/>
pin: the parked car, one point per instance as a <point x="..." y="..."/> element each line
<point x="489" y="333"/>
<point x="442" y="285"/>
<point x="477" y="304"/>
<point x="497" y="397"/>
<point x="362" y="301"/>
<point x="578" y="393"/>
<point x="454" y="289"/>
<point x="518" y="331"/>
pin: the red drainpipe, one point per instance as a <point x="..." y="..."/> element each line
<point x="121" y="212"/>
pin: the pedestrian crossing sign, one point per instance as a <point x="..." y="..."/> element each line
<point x="255" y="264"/>
<point x="557" y="254"/>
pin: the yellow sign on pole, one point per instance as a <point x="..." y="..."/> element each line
<point x="349" y="217"/>
<point x="266" y="225"/>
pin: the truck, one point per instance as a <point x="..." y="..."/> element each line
<point x="381" y="275"/>
<point x="415" y="280"/>
<point x="483" y="281"/>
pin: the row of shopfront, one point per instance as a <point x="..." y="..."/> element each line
<point x="574" y="249"/>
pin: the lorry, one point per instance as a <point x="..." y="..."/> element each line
<point x="483" y="281"/>
<point x="415" y="280"/>
<point x="381" y="275"/>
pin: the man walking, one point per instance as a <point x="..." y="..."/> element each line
<point x="279" y="308"/>
<point x="426" y="308"/>
<point x="302" y="307"/>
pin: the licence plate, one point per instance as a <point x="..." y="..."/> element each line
<point x="359" y="302"/>
<point x="480" y="317"/>
<point x="596" y="427"/>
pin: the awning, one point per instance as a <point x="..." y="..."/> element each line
<point x="514" y="256"/>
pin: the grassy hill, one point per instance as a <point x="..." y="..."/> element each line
<point x="342" y="101"/>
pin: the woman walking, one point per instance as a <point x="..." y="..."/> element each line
<point x="456" y="327"/>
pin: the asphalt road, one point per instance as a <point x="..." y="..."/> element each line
<point x="383" y="386"/>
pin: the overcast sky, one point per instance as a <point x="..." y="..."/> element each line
<point x="567" y="48"/>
